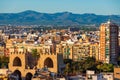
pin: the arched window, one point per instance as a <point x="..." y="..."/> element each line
<point x="28" y="76"/>
<point x="48" y="62"/>
<point x="17" y="62"/>
<point x="17" y="73"/>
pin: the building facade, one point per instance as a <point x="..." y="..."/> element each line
<point x="108" y="42"/>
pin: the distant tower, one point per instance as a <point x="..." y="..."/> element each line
<point x="108" y="42"/>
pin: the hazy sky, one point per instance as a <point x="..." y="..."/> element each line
<point x="53" y="6"/>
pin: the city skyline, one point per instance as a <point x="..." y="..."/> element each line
<point x="102" y="7"/>
<point x="59" y="40"/>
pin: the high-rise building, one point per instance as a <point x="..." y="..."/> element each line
<point x="108" y="42"/>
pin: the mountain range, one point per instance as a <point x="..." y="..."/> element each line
<point x="64" y="18"/>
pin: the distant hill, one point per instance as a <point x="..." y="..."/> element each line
<point x="64" y="18"/>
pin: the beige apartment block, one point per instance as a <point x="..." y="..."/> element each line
<point x="108" y="42"/>
<point x="94" y="50"/>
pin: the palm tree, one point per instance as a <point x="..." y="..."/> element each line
<point x="35" y="55"/>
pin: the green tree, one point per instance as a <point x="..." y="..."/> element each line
<point x="99" y="67"/>
<point x="86" y="64"/>
<point x="89" y="63"/>
<point x="67" y="69"/>
<point x="74" y="67"/>
<point x="105" y="67"/>
<point x="68" y="61"/>
<point x="4" y="61"/>
<point x="80" y="66"/>
<point x="35" y="55"/>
